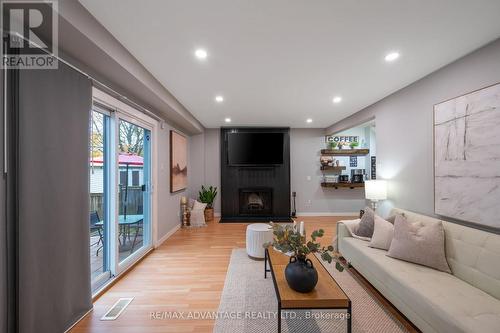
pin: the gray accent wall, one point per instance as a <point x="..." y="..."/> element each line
<point x="404" y="126"/>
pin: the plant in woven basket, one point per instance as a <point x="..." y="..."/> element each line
<point x="288" y="239"/>
<point x="208" y="195"/>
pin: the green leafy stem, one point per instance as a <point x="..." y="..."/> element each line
<point x="288" y="239"/>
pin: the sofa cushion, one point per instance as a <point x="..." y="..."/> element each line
<point x="445" y="302"/>
<point x="419" y="243"/>
<point x="382" y="234"/>
<point x="365" y="228"/>
<point x="392" y="218"/>
<point x="473" y="254"/>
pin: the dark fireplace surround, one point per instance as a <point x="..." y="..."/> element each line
<point x="255" y="193"/>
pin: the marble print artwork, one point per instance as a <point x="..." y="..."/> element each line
<point x="467" y="157"/>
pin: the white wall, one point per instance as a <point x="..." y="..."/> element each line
<point x="168" y="203"/>
<point x="363" y="132"/>
<point x="305" y="145"/>
<point x="196" y="167"/>
<point x="403" y="142"/>
<point x="212" y="160"/>
<point x="312" y="199"/>
<point x="86" y="43"/>
<point x="204" y="169"/>
<point x="404" y="125"/>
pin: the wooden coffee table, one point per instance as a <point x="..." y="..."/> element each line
<point x="326" y="295"/>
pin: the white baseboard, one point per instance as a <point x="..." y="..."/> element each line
<point x="167" y="235"/>
<point x="305" y="214"/>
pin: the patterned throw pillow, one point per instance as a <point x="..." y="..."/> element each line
<point x="365" y="228"/>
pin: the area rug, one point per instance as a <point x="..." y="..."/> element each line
<point x="248" y="305"/>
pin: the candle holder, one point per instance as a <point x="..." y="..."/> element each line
<point x="185" y="214"/>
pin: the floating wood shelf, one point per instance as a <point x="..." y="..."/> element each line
<point x="345" y="152"/>
<point x="332" y="168"/>
<point x="343" y="185"/>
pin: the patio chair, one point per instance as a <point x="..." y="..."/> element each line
<point x="140" y="210"/>
<point x="94" y="220"/>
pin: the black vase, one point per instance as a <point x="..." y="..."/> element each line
<point x="301" y="274"/>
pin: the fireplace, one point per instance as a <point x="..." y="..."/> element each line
<point x="257" y="192"/>
<point x="256" y="201"/>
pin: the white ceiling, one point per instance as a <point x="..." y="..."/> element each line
<point x="279" y="62"/>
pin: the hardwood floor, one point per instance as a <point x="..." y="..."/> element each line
<point x="186" y="273"/>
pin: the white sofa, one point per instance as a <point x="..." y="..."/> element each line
<point x="466" y="301"/>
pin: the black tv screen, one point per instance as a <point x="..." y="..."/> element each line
<point x="255" y="148"/>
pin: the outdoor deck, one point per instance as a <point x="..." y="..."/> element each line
<point x="96" y="261"/>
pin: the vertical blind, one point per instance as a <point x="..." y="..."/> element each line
<point x="54" y="288"/>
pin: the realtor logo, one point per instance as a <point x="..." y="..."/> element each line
<point x="30" y="34"/>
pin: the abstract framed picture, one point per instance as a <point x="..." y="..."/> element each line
<point x="467" y="157"/>
<point x="178" y="162"/>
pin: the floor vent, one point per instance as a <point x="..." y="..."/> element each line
<point x="117" y="308"/>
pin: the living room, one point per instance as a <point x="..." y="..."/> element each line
<point x="250" y="166"/>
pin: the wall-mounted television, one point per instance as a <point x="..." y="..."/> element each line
<point x="255" y="148"/>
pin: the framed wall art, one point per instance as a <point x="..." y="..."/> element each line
<point x="467" y="157"/>
<point x="178" y="162"/>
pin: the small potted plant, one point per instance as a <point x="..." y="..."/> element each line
<point x="354" y="144"/>
<point x="208" y="196"/>
<point x="333" y="145"/>
<point x="300" y="273"/>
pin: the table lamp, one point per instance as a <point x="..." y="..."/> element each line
<point x="375" y="190"/>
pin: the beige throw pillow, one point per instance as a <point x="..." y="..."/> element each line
<point x="198" y="205"/>
<point x="197" y="218"/>
<point x="419" y="243"/>
<point x="382" y="234"/>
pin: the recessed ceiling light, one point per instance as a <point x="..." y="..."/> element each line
<point x="201" y="54"/>
<point x="227" y="120"/>
<point x="391" y="56"/>
<point x="219" y="99"/>
<point x="337" y="99"/>
<point x="309" y="120"/>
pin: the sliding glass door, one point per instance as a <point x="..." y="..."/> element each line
<point x="99" y="217"/>
<point x="120" y="178"/>
<point x="133" y="200"/>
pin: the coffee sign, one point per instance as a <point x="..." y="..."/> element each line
<point x="342" y="138"/>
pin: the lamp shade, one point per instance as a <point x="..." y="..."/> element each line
<point x="376" y="190"/>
